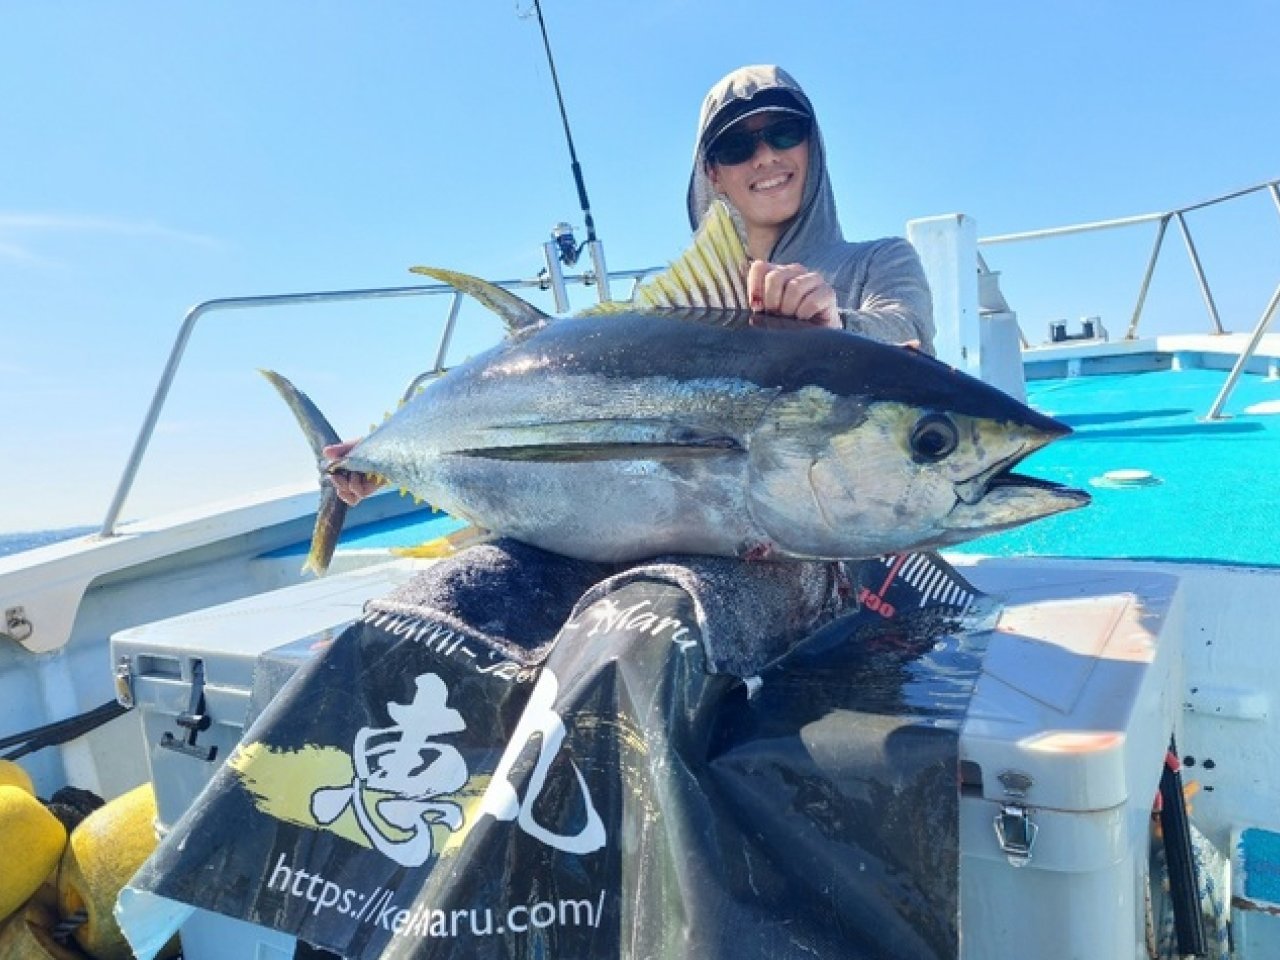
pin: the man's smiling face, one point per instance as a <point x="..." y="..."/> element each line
<point x="767" y="188"/>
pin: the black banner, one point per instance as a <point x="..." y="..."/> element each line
<point x="425" y="789"/>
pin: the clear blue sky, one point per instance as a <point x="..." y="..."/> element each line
<point x="157" y="154"/>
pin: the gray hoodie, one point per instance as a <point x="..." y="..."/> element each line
<point x="880" y="284"/>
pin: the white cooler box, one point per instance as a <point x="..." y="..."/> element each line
<point x="1061" y="752"/>
<point x="222" y="665"/>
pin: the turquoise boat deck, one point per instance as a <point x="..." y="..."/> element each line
<point x="1214" y="492"/>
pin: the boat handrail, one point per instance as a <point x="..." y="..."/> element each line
<point x="195" y="313"/>
<point x="1215" y="409"/>
<point x="554" y="280"/>
<point x="1163" y="219"/>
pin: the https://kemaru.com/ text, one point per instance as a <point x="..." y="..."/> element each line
<point x="379" y="909"/>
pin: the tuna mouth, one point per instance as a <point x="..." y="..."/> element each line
<point x="998" y="498"/>
<point x="1001" y="475"/>
<point x="1007" y="479"/>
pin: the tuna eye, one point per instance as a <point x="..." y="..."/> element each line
<point x="934" y="437"/>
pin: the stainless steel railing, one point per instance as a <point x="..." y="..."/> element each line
<point x="552" y="280"/>
<point x="1164" y="219"/>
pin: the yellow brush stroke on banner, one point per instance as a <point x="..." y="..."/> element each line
<point x="282" y="781"/>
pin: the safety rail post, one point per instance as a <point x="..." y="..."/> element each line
<point x="455" y="304"/>
<point x="1199" y="270"/>
<point x="1132" y="332"/>
<point x="149" y="421"/>
<point x="1215" y="411"/>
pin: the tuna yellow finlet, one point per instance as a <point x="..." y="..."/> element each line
<point x="445" y="546"/>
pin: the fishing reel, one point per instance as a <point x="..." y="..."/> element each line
<point x="567" y="246"/>
<point x="563" y="248"/>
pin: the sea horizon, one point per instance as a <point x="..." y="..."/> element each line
<point x="23" y="540"/>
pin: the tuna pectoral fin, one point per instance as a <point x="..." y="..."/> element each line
<point x="319" y="433"/>
<point x="590" y="452"/>
<point x="518" y="314"/>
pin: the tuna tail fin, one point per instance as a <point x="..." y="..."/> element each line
<point x="330" y="516"/>
<point x="710" y="275"/>
<point x="518" y="314"/>
<point x="332" y="512"/>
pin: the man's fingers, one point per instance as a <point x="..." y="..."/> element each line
<point x="336" y="451"/>
<point x="808" y="297"/>
<point x="351" y="487"/>
<point x="777" y="284"/>
<point x="755" y="283"/>
<point x="802" y="294"/>
<point x="792" y="290"/>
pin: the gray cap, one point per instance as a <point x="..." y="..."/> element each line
<point x="773" y="100"/>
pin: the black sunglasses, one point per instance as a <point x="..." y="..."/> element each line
<point x="739" y="146"/>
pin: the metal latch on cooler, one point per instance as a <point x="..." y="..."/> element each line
<point x="1017" y="833"/>
<point x="124" y="682"/>
<point x="193" y="720"/>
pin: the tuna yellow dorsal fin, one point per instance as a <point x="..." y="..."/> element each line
<point x="518" y="314"/>
<point x="711" y="274"/>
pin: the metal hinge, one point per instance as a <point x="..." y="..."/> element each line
<point x="1016" y="833"/>
<point x="16" y="625"/>
<point x="1016" y="783"/>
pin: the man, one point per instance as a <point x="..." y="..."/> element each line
<point x="760" y="149"/>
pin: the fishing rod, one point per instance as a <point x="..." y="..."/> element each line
<point x="568" y="134"/>
<point x="563" y="247"/>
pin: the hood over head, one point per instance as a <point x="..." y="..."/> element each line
<point x="880" y="285"/>
<point x="741" y="94"/>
